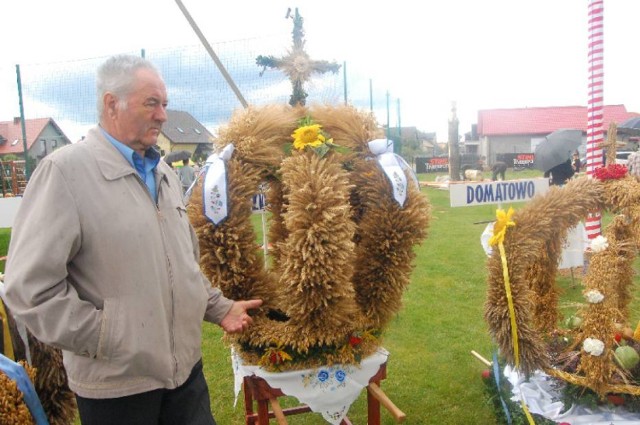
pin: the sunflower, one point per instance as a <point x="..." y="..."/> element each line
<point x="309" y="135"/>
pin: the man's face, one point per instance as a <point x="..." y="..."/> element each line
<point x="138" y="125"/>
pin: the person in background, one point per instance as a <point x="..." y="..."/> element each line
<point x="499" y="168"/>
<point x="575" y="162"/>
<point x="481" y="163"/>
<point x="103" y="263"/>
<point x="633" y="163"/>
<point x="561" y="173"/>
<point x="187" y="175"/>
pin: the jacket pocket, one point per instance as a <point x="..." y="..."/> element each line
<point x="111" y="329"/>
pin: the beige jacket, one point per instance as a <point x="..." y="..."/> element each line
<point x="98" y="270"/>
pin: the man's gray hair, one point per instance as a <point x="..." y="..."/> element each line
<point x="117" y="75"/>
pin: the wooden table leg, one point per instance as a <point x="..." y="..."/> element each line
<point x="263" y="412"/>
<point x="248" y="401"/>
<point x="373" y="408"/>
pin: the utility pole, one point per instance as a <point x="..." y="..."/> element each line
<point x="454" y="149"/>
<point x="27" y="171"/>
<point x="388" y="123"/>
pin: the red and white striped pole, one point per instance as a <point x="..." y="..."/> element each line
<point x="595" y="105"/>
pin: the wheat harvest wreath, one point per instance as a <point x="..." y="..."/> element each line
<point x="342" y="226"/>
<point x="598" y="352"/>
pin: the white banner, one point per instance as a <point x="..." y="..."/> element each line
<point x="9" y="210"/>
<point x="496" y="192"/>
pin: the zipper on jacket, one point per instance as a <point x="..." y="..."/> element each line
<point x="172" y="339"/>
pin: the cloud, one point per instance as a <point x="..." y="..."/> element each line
<point x="66" y="90"/>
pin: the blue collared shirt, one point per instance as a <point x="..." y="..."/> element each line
<point x="144" y="166"/>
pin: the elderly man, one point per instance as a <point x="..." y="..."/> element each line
<point x="103" y="263"/>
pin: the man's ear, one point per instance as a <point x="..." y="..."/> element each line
<point x="110" y="103"/>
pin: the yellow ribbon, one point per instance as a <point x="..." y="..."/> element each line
<point x="512" y="312"/>
<point x="6" y="334"/>
<point x="503" y="221"/>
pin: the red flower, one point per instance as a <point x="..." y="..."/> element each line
<point x="354" y="340"/>
<point x="278" y="357"/>
<point x="610" y="172"/>
<point x="617" y="337"/>
<point x="615" y="399"/>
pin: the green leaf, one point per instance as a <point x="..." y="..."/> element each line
<point x="321" y="150"/>
<point x="342" y="149"/>
<point x="287" y="148"/>
<point x="305" y="121"/>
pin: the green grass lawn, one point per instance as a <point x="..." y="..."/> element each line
<point x="4" y="245"/>
<point x="432" y="375"/>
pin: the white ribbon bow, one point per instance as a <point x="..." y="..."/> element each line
<point x="383" y="150"/>
<point x="215" y="185"/>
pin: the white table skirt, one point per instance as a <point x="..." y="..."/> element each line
<point x="329" y="390"/>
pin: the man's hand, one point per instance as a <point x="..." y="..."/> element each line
<point x="238" y="319"/>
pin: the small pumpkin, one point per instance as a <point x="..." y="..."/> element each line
<point x="627" y="357"/>
<point x="573" y="322"/>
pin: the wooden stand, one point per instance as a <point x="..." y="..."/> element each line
<point x="258" y="390"/>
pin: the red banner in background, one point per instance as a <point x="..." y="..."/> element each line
<point x="517" y="160"/>
<point x="432" y="164"/>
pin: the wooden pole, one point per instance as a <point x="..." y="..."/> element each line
<point x="482" y="359"/>
<point x="379" y="395"/>
<point x="213" y="55"/>
<point x="277" y="411"/>
<point x="595" y="107"/>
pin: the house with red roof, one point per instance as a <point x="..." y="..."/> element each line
<point x="43" y="137"/>
<point x="509" y="131"/>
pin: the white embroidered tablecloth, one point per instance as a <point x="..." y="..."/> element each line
<point x="541" y="398"/>
<point x="329" y="390"/>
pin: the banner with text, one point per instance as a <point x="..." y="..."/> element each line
<point x="438" y="164"/>
<point x="496" y="192"/>
<point x="517" y="160"/>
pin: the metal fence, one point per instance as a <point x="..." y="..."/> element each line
<point x="65" y="91"/>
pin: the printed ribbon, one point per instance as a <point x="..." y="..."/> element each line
<point x="215" y="185"/>
<point x="503" y="220"/>
<point x="383" y="150"/>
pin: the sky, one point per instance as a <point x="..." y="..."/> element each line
<point x="480" y="54"/>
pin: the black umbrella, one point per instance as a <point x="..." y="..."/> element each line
<point x="556" y="148"/>
<point x="630" y="127"/>
<point x="174" y="156"/>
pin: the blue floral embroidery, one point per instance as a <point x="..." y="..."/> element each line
<point x="328" y="379"/>
<point x="323" y="375"/>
